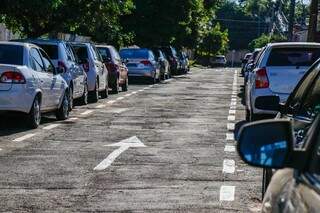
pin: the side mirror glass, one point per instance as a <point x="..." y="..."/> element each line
<point x="271" y="103"/>
<point x="244" y="61"/>
<point x="266" y="144"/>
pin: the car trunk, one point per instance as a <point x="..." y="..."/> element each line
<point x="136" y="62"/>
<point x="284" y="79"/>
<point x="5" y="68"/>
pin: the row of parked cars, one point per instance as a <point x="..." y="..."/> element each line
<point x="283" y="79"/>
<point x="40" y="76"/>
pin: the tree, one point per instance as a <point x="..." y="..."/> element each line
<point x="242" y="27"/>
<point x="264" y="39"/>
<point x="177" y="22"/>
<point x="215" y="42"/>
<point x="96" y="18"/>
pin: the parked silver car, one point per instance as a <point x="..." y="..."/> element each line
<point x="141" y="63"/>
<point x="29" y="83"/>
<point x="97" y="73"/>
<point x="62" y="56"/>
<point x="277" y="72"/>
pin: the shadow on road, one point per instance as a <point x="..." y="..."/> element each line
<point x="12" y="124"/>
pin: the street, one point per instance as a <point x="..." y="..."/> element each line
<point x="167" y="147"/>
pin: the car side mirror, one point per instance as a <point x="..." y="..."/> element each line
<point x="271" y="103"/>
<point x="59" y="70"/>
<point x="244" y="61"/>
<point x="106" y="59"/>
<point x="125" y="61"/>
<point x="250" y="67"/>
<point x="266" y="144"/>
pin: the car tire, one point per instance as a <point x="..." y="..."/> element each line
<point x="94" y="95"/>
<point x="84" y="98"/>
<point x="34" y="116"/>
<point x="70" y="98"/>
<point x="63" y="112"/>
<point x="125" y="86"/>
<point x="267" y="175"/>
<point x="105" y="92"/>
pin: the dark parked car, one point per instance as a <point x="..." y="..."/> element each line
<point x="173" y="59"/>
<point x="164" y="63"/>
<point x="244" y="62"/>
<point x="295" y="185"/>
<point x="184" y="62"/>
<point x="117" y="70"/>
<point x="301" y="108"/>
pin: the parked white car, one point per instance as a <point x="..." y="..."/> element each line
<point x="276" y="73"/>
<point x="30" y="84"/>
<point x="97" y="73"/>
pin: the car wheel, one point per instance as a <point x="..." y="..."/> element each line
<point x="63" y="112"/>
<point x="105" y="92"/>
<point x="94" y="95"/>
<point x="267" y="175"/>
<point x="70" y="98"/>
<point x="125" y="86"/>
<point x="84" y="98"/>
<point x="34" y="116"/>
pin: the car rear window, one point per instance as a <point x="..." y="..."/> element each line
<point x="293" y="56"/>
<point x="11" y="54"/>
<point x="81" y="52"/>
<point x="134" y="53"/>
<point x="51" y="50"/>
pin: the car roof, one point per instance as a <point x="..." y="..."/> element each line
<point x="135" y="49"/>
<point x="105" y="46"/>
<point x="294" y="44"/>
<point x="42" y="41"/>
<point x="24" y="44"/>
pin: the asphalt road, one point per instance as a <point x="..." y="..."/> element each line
<point x="176" y="152"/>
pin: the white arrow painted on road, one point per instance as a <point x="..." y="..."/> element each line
<point x="124" y="145"/>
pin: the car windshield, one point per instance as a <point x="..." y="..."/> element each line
<point x="134" y="53"/>
<point x="11" y="54"/>
<point x="50" y="49"/>
<point x="293" y="56"/>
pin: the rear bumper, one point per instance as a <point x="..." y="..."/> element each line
<point x="17" y="99"/>
<point x="146" y="72"/>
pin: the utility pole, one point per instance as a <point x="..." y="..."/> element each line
<point x="312" y="31"/>
<point x="291" y="19"/>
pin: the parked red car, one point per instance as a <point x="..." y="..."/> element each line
<point x="118" y="71"/>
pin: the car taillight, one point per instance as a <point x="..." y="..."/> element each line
<point x="146" y="62"/>
<point x="12" y="77"/>
<point x="86" y="67"/>
<point x="262" y="80"/>
<point x="62" y="66"/>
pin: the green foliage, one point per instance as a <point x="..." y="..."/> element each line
<point x="264" y="39"/>
<point x="95" y="18"/>
<point x="242" y="27"/>
<point x="183" y="23"/>
<point x="215" y="42"/>
<point x="178" y="22"/>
